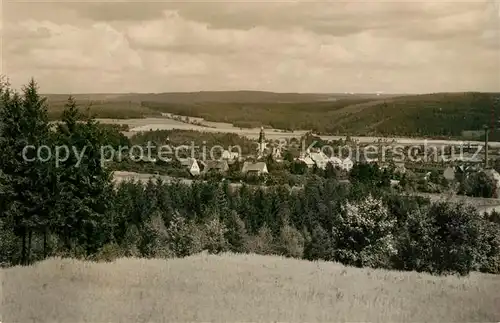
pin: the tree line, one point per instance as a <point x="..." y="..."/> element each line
<point x="80" y="212"/>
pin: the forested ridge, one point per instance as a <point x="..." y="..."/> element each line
<point x="436" y="115"/>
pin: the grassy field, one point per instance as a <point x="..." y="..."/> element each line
<point x="239" y="288"/>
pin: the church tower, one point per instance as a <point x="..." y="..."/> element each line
<point x="262" y="143"/>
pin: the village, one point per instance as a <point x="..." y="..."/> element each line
<point x="441" y="169"/>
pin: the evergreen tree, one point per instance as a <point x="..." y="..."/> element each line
<point x="84" y="185"/>
<point x="320" y="246"/>
<point x="236" y="234"/>
<point x="27" y="204"/>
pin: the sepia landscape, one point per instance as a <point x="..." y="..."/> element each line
<point x="288" y="161"/>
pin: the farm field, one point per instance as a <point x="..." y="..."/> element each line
<point x="147" y="124"/>
<point x="237" y="287"/>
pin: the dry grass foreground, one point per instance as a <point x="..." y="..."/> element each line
<point x="239" y="288"/>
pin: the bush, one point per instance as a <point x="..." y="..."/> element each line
<point x="491" y="245"/>
<point x="457" y="246"/>
<point x="415" y="242"/>
<point x="363" y="234"/>
<point x="291" y="242"/>
<point x="109" y="252"/>
<point x="477" y="185"/>
<point x="155" y="238"/>
<point x="214" y="236"/>
<point x="184" y="238"/>
<point x="236" y="235"/>
<point x="262" y="243"/>
<point x="320" y="246"/>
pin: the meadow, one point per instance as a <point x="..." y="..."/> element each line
<point x="239" y="287"/>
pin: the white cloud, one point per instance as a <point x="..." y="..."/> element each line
<point x="314" y="47"/>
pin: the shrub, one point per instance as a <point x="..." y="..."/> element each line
<point x="154" y="242"/>
<point x="320" y="245"/>
<point x="236" y="235"/>
<point x="184" y="238"/>
<point x="363" y="234"/>
<point x="109" y="252"/>
<point x="291" y="242"/>
<point x="456" y="238"/>
<point x="491" y="245"/>
<point x="214" y="236"/>
<point x="262" y="243"/>
<point x="415" y="242"/>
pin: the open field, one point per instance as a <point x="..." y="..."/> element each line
<point x="436" y="115"/>
<point x="240" y="288"/>
<point x="147" y="124"/>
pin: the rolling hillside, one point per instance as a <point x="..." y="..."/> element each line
<point x="244" y="288"/>
<point x="427" y="115"/>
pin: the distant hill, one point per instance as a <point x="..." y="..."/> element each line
<point x="439" y="114"/>
<point x="216" y="97"/>
<point x="431" y="115"/>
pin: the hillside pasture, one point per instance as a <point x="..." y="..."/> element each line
<point x="239" y="287"/>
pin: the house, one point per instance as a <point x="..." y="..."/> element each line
<point x="229" y="155"/>
<point x="336" y="162"/>
<point x="320" y="159"/>
<point x="347" y="164"/>
<point x="192" y="165"/>
<point x="258" y="168"/>
<point x="307" y="160"/>
<point x="276" y="153"/>
<point x="219" y="166"/>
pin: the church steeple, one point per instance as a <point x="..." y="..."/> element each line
<point x="262" y="136"/>
<point x="262" y="143"/>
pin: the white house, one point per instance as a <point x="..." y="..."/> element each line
<point x="320" y="159"/>
<point x="336" y="162"/>
<point x="229" y="155"/>
<point x="192" y="165"/>
<point x="307" y="160"/>
<point x="258" y="168"/>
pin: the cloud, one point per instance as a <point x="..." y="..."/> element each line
<point x="402" y="46"/>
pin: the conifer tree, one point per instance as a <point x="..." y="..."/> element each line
<point x="24" y="129"/>
<point x="84" y="184"/>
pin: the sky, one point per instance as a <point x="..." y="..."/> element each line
<point x="281" y="46"/>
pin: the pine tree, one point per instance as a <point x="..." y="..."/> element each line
<point x="320" y="246"/>
<point x="28" y="205"/>
<point x="236" y="234"/>
<point x="84" y="185"/>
